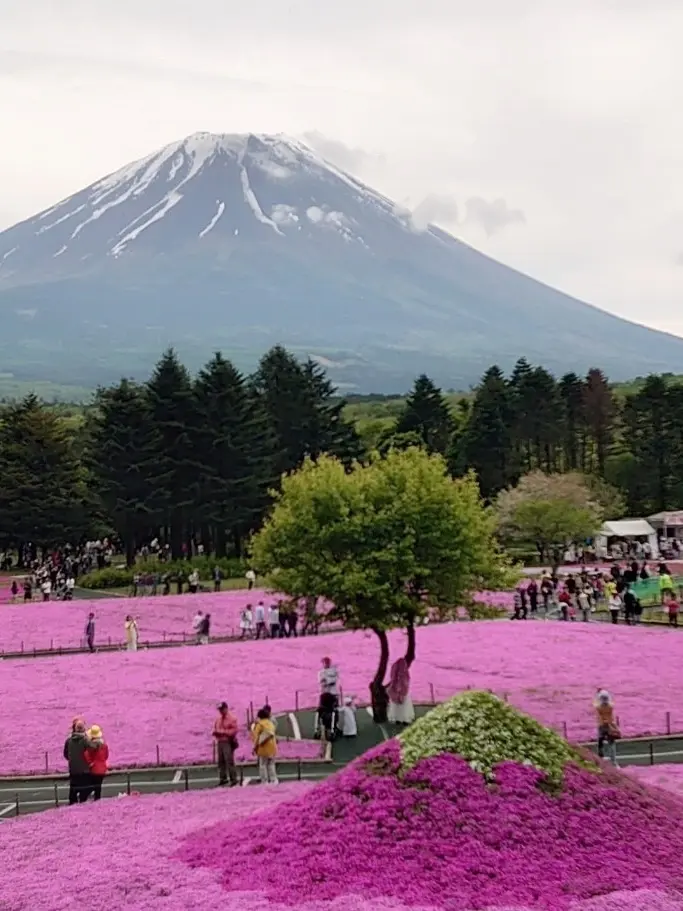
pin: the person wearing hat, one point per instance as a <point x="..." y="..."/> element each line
<point x="75" y="748"/>
<point x="608" y="732"/>
<point x="347" y="717"/>
<point x="96" y="756"/>
<point x="225" y="735"/>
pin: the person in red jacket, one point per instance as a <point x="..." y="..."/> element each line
<point x="97" y="756"/>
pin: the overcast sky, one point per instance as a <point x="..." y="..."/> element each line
<point x="545" y="133"/>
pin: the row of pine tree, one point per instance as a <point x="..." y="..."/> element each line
<point x="197" y="457"/>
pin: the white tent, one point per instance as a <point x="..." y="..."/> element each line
<point x="629" y="529"/>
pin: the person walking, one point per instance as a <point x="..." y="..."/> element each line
<point x="265" y="745"/>
<point x="193" y="582"/>
<point x="75" y="748"/>
<point x="225" y="735"/>
<point x="131" y="628"/>
<point x="608" y="732"/>
<point x="217" y="578"/>
<point x="97" y="756"/>
<point x="90" y="632"/>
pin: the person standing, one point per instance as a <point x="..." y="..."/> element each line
<point x="265" y="745"/>
<point x="614" y="604"/>
<point x="75" y="748"/>
<point x="197" y="625"/>
<point x="90" y="632"/>
<point x="97" y="756"/>
<point x="401" y="709"/>
<point x="251" y="579"/>
<point x="328" y="680"/>
<point x="347" y="718"/>
<point x="532" y="591"/>
<point x="217" y="578"/>
<point x="608" y="732"/>
<point x="274" y="621"/>
<point x="193" y="582"/>
<point x="69" y="586"/>
<point x="131" y="627"/>
<point x="673" y="608"/>
<point x="260" y="620"/>
<point x="225" y="735"/>
<point x="205" y="630"/>
<point x="584" y="604"/>
<point x="246" y="622"/>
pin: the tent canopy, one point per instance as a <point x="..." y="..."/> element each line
<point x="627" y="528"/>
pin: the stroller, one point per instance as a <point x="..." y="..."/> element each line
<point x="327" y="718"/>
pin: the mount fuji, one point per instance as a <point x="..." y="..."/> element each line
<point x="239" y="242"/>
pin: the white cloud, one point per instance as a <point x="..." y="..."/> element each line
<point x="558" y="113"/>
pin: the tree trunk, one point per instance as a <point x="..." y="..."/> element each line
<point x="410" y="651"/>
<point x="221" y="541"/>
<point x="378" y="692"/>
<point x="130" y="549"/>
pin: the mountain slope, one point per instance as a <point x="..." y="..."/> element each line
<point x="241" y="241"/>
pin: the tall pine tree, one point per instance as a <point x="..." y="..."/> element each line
<point x="487" y="442"/>
<point x="122" y="455"/>
<point x="172" y="411"/>
<point x="234" y="450"/>
<point x="427" y="414"/>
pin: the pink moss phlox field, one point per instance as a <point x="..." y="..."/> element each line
<point x="124" y="854"/>
<point x="61" y="624"/>
<point x="169" y="696"/>
<point x="441" y="837"/>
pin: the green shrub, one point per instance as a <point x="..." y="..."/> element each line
<point x="121" y="577"/>
<point x="485" y="731"/>
<point x="481" y="611"/>
<point x="111" y="577"/>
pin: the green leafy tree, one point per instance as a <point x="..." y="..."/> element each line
<point x="121" y="453"/>
<point x="427" y="414"/>
<point x="386" y="543"/>
<point x="550" y="511"/>
<point x="649" y="433"/>
<point x="43" y="491"/>
<point x="234" y="450"/>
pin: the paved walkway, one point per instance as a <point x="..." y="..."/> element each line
<point x="32" y="794"/>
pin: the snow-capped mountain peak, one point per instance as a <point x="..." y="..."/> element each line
<point x="204" y="186"/>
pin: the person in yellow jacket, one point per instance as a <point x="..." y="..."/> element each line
<point x="265" y="745"/>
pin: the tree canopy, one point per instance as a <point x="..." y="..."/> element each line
<point x="550" y="510"/>
<point x="386" y="543"/>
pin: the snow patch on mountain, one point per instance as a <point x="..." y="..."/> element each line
<point x="250" y="196"/>
<point x="214" y="221"/>
<point x="284" y="215"/>
<point x="167" y="203"/>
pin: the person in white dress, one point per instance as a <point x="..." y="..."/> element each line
<point x="246" y="622"/>
<point x="347" y="718"/>
<point x="401" y="709"/>
<point x="131" y="634"/>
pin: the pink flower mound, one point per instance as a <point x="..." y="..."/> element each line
<point x="440" y="837"/>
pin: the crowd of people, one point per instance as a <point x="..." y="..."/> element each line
<point x="580" y="594"/>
